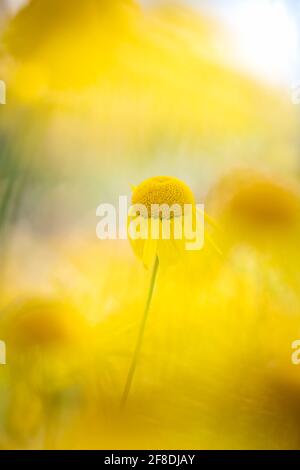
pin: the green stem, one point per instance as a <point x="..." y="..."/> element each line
<point x="140" y="336"/>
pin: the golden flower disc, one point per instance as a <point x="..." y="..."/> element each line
<point x="162" y="190"/>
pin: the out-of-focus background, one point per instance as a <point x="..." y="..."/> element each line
<point x="100" y="95"/>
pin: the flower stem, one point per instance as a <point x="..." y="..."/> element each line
<point x="140" y="336"/>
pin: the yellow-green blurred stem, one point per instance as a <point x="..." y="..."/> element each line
<point x="139" y="342"/>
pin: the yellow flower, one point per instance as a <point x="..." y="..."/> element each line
<point x="37" y="323"/>
<point x="157" y="230"/>
<point x="256" y="207"/>
<point x="168" y="205"/>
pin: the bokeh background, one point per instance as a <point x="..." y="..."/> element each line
<point x="102" y="94"/>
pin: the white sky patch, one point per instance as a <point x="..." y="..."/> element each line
<point x="15" y="5"/>
<point x="266" y="39"/>
<point x="265" y="35"/>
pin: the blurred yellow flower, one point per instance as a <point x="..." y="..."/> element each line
<point x="256" y="208"/>
<point x="40" y="323"/>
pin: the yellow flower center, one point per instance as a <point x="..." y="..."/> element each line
<point x="162" y="190"/>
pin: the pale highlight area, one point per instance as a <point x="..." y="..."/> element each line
<point x="2" y="92"/>
<point x="2" y="352"/>
<point x="267" y="39"/>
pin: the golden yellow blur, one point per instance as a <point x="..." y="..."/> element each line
<point x="102" y="95"/>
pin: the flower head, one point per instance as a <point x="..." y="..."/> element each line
<point x="162" y="190"/>
<point x="167" y="202"/>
